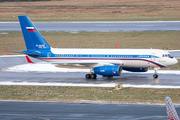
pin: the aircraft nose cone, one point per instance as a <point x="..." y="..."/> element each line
<point x="176" y="61"/>
<point x="172" y="62"/>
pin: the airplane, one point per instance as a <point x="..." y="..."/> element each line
<point x="171" y="111"/>
<point x="105" y="62"/>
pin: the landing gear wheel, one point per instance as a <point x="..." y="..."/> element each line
<point x="88" y="76"/>
<point x="155" y="76"/>
<point x="93" y="76"/>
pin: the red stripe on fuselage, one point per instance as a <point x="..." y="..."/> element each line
<point x="100" y="59"/>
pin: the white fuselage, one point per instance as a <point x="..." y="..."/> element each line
<point x="123" y="57"/>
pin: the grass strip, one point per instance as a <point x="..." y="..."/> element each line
<point x="166" y="40"/>
<point x="91" y="18"/>
<point x="90" y="94"/>
<point x="92" y="10"/>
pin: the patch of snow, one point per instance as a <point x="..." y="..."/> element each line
<point x="58" y="84"/>
<point x="86" y="85"/>
<point x="41" y="67"/>
<point x="150" y="86"/>
<point x="44" y="67"/>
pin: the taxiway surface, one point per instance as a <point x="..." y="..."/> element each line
<point x="16" y="110"/>
<point x="69" y="77"/>
<point x="97" y="26"/>
<point x="13" y="110"/>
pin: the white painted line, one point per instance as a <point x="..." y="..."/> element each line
<point x="87" y="85"/>
<point x="57" y="84"/>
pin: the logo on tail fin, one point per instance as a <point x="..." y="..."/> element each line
<point x="30" y="29"/>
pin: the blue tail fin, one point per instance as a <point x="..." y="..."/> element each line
<point x="32" y="37"/>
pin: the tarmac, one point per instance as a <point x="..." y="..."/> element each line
<point x="18" y="110"/>
<point x="97" y="26"/>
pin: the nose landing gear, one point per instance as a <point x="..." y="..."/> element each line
<point x="155" y="76"/>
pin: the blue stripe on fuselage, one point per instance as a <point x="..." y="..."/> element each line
<point x="97" y="56"/>
<point x="100" y="57"/>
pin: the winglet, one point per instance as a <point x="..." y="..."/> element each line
<point x="29" y="61"/>
<point x="117" y="47"/>
<point x="171" y="111"/>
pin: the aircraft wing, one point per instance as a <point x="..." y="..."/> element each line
<point x="91" y="63"/>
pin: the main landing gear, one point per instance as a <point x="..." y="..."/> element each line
<point x="155" y="76"/>
<point x="91" y="76"/>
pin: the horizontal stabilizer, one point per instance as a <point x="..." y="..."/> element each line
<point x="14" y="51"/>
<point x="27" y="53"/>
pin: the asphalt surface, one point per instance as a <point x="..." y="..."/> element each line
<point x="175" y="53"/>
<point x="12" y="110"/>
<point x="51" y="77"/>
<point x="96" y="26"/>
<point x="15" y="110"/>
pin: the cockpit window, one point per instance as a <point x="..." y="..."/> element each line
<point x="170" y="56"/>
<point x="167" y="55"/>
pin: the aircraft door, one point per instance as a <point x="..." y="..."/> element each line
<point x="153" y="57"/>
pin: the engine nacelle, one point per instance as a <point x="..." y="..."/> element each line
<point x="135" y="69"/>
<point x="109" y="70"/>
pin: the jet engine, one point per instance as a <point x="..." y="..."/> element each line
<point x="135" y="69"/>
<point x="109" y="70"/>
